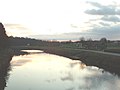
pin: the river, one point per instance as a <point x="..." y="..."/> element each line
<point x="42" y="71"/>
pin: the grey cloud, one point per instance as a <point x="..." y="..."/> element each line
<point x="112" y="32"/>
<point x="95" y="4"/>
<point x="111" y="18"/>
<point x="110" y="14"/>
<point x="104" y="29"/>
<point x="113" y="29"/>
<point x="104" y="24"/>
<point x="98" y="5"/>
<point x="103" y="10"/>
<point x="97" y="32"/>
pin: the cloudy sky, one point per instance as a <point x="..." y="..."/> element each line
<point x="61" y="19"/>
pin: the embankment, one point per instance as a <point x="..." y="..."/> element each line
<point x="5" y="58"/>
<point x="109" y="63"/>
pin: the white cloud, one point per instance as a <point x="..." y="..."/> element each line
<point x="17" y="30"/>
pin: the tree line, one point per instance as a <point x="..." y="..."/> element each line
<point x="97" y="44"/>
<point x="3" y="37"/>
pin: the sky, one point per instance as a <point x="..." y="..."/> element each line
<point x="61" y="19"/>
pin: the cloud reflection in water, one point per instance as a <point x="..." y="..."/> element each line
<point x="90" y="78"/>
<point x="19" y="62"/>
<point x="52" y="72"/>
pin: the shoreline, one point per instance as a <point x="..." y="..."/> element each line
<point x="109" y="63"/>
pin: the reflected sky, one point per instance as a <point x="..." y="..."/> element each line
<point x="43" y="71"/>
<point x="33" y="51"/>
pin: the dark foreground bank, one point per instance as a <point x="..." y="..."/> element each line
<point x="5" y="58"/>
<point x="109" y="63"/>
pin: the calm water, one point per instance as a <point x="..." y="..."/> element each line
<point x="41" y="71"/>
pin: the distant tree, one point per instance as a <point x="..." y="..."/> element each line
<point x="104" y="40"/>
<point x="3" y="37"/>
<point x="82" y="40"/>
<point x="103" y="43"/>
<point x="89" y="43"/>
<point x="90" y="39"/>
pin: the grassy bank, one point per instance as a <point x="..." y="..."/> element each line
<point x="113" y="50"/>
<point x="109" y="63"/>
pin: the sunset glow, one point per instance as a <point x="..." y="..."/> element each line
<point x="28" y="18"/>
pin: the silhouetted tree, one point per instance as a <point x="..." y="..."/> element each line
<point x="103" y="43"/>
<point x="82" y="40"/>
<point x="89" y="43"/>
<point x="3" y="37"/>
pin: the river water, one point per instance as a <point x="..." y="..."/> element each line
<point x="42" y="71"/>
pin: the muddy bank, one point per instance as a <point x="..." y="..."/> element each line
<point x="109" y="63"/>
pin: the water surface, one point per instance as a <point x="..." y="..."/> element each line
<point x="42" y="71"/>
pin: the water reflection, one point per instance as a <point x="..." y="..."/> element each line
<point x="43" y="71"/>
<point x="19" y="62"/>
<point x="32" y="51"/>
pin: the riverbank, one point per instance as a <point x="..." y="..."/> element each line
<point x="5" y="58"/>
<point x="109" y="63"/>
<point x="6" y="55"/>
